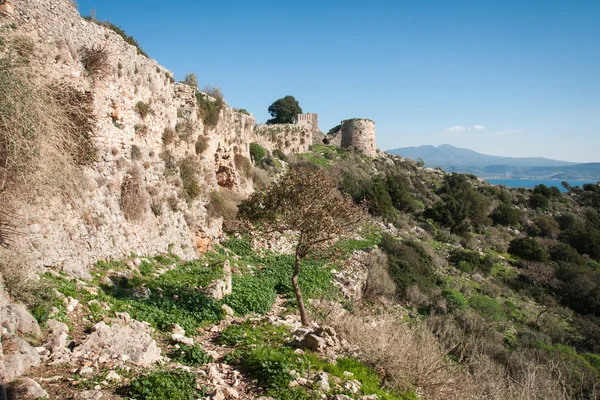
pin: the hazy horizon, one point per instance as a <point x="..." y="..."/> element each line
<point x="516" y="79"/>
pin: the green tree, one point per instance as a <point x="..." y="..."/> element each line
<point x="305" y="201"/>
<point x="284" y="111"/>
<point x="527" y="249"/>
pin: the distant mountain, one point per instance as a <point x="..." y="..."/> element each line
<point x="456" y="159"/>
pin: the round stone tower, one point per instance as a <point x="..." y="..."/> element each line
<point x="359" y="134"/>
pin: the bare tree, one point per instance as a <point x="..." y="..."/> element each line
<point x="305" y="201"/>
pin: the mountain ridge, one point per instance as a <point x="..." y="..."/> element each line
<point x="457" y="159"/>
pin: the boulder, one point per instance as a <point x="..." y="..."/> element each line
<point x="27" y="388"/>
<point x="221" y="287"/>
<point x="130" y="339"/>
<point x="19" y="356"/>
<point x="26" y="323"/>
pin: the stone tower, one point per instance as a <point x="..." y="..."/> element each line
<point x="359" y="134"/>
<point x="310" y="120"/>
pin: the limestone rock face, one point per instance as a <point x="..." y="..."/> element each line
<point x="131" y="339"/>
<point x="30" y="389"/>
<point x="19" y="356"/>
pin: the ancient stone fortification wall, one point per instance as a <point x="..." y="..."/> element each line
<point x="73" y="234"/>
<point x="360" y="135"/>
<point x="288" y="138"/>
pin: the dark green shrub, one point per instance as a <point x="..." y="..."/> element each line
<point x="279" y="154"/>
<point x="164" y="385"/>
<point x="562" y="252"/>
<point x="461" y="207"/>
<point x="527" y="249"/>
<point x="410" y="264"/>
<point x="379" y="200"/>
<point x="507" y="215"/>
<point x="251" y="294"/>
<point x="188" y="171"/>
<point x="539" y="201"/>
<point x="193" y="356"/>
<point x="257" y="152"/>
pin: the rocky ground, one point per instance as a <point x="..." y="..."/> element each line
<point x="143" y="326"/>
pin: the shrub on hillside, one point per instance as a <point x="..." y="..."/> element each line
<point x="134" y="199"/>
<point x="410" y="264"/>
<point x="209" y="110"/>
<point x="243" y="165"/>
<point x="527" y="249"/>
<point x="539" y="201"/>
<point x="461" y="208"/>
<point x="189" y="169"/>
<point x="201" y="144"/>
<point x="95" y="60"/>
<point x="191" y="79"/>
<point x="257" y="152"/>
<point x="487" y="307"/>
<point x="143" y="109"/>
<point x="507" y="215"/>
<point x="168" y="136"/>
<point x="223" y="204"/>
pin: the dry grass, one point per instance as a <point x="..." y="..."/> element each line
<point x="95" y="60"/>
<point x="134" y="199"/>
<point x="45" y="134"/>
<point x="223" y="204"/>
<point x="17" y="278"/>
<point x="379" y="281"/>
<point x="409" y="356"/>
<point x="243" y="165"/>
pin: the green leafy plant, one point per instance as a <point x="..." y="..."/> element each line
<point x="257" y="152"/>
<point x="164" y="385"/>
<point x="194" y="356"/>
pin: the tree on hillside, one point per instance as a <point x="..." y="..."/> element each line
<point x="305" y="201"/>
<point x="284" y="111"/>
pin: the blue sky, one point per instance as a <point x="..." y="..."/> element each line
<point x="511" y="78"/>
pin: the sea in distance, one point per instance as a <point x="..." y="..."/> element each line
<point x="530" y="183"/>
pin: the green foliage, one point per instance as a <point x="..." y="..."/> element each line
<point x="487" y="307"/>
<point x="164" y="385"/>
<point x="174" y="297"/>
<point x="210" y="110"/>
<point x="251" y="294"/>
<point x="455" y="299"/>
<point x="539" y="201"/>
<point x="461" y="208"/>
<point x="249" y="334"/>
<point x="284" y="111"/>
<point x="270" y="366"/>
<point x="527" y="249"/>
<point x="143" y="109"/>
<point x="193" y="356"/>
<point x="507" y="215"/>
<point x="467" y="260"/>
<point x="241" y="246"/>
<point x="409" y="264"/>
<point x="257" y="152"/>
<point x="189" y="170"/>
<point x="279" y="154"/>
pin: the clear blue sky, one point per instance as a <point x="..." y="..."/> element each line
<point x="504" y="77"/>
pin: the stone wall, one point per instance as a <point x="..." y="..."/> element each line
<point x="359" y="134"/>
<point x="75" y="233"/>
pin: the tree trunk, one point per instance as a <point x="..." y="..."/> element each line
<point x="296" y="287"/>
